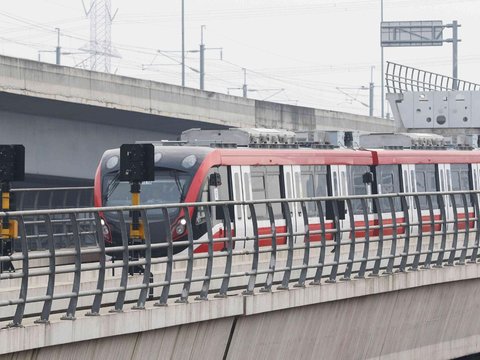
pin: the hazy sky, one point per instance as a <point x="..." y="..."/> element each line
<point x="309" y="52"/>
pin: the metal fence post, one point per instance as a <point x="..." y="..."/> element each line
<point x="253" y="273"/>
<point x="273" y="254"/>
<point x="323" y="244"/>
<point x="47" y="306"/>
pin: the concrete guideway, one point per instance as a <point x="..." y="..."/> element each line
<point x="201" y="108"/>
<point x="391" y="310"/>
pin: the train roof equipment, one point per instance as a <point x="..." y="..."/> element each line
<point x="319" y="139"/>
<point x="270" y="138"/>
<point x="418" y="141"/>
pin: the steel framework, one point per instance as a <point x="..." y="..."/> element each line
<point x="100" y="47"/>
<point x="401" y="78"/>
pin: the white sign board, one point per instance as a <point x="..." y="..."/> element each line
<point x="412" y="33"/>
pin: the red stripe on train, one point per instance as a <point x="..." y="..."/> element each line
<point x="282" y="240"/>
<point x="461" y="224"/>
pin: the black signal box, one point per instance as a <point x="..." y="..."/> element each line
<point x="137" y="162"/>
<point x="12" y="163"/>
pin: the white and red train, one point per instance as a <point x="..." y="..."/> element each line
<point x="199" y="173"/>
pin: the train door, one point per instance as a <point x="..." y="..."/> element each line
<point x="387" y="181"/>
<point x="293" y="190"/>
<point x="464" y="178"/>
<point x="242" y="191"/>
<point x="217" y="188"/>
<point x="314" y="184"/>
<point x="475" y="176"/>
<point x="445" y="184"/>
<point x="409" y="185"/>
<point x="338" y="180"/>
<point x="475" y="181"/>
<point x="360" y="179"/>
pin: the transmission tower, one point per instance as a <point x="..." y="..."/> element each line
<point x="100" y="47"/>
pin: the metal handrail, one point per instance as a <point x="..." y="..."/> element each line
<point x="401" y="78"/>
<point x="65" y="188"/>
<point x="53" y="197"/>
<point x="228" y="202"/>
<point x="305" y="247"/>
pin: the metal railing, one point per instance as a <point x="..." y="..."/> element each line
<point x="402" y="78"/>
<point x="283" y="243"/>
<point x="52" y="198"/>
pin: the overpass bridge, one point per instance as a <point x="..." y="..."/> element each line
<point x="68" y="117"/>
<point x="391" y="288"/>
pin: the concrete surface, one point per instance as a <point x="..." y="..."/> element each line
<point x="431" y="322"/>
<point x="422" y="314"/>
<point x="66" y="148"/>
<point x="205" y="340"/>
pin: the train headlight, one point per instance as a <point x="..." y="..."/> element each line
<point x="112" y="162"/>
<point x="189" y="161"/>
<point x="181" y="226"/>
<point x="107" y="236"/>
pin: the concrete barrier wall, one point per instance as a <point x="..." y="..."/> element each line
<point x="204" y="340"/>
<point x="46" y="81"/>
<point x="282" y="116"/>
<point x="420" y="321"/>
<point x="431" y="322"/>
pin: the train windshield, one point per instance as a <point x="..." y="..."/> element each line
<point x="169" y="186"/>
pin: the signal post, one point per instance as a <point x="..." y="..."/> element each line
<point x="136" y="165"/>
<point x="12" y="168"/>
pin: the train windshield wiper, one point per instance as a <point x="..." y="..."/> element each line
<point x="178" y="183"/>
<point x="112" y="185"/>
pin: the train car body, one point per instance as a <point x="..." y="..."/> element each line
<point x="199" y="173"/>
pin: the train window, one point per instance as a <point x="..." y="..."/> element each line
<point x="412" y="181"/>
<point x="266" y="185"/>
<point x="460" y="177"/>
<point x="387" y="181"/>
<point x="258" y="191"/>
<point x="288" y="188"/>
<point x="449" y="186"/>
<point x="223" y="191"/>
<point x="343" y="182"/>
<point x="238" y="194"/>
<point x="475" y="183"/>
<point x="314" y="184"/>
<point x="460" y="181"/>
<point x="308" y="185"/>
<point x="335" y="184"/>
<point x="442" y="178"/>
<point x="425" y="174"/>
<point x="321" y="188"/>
<point x="206" y="195"/>
<point x="201" y="215"/>
<point x="308" y="190"/>
<point x="405" y="177"/>
<point x="273" y="189"/>
<point x="421" y="182"/>
<point x="357" y="186"/>
<point x="248" y="192"/>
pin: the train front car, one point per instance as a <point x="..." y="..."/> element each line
<point x="176" y="173"/>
